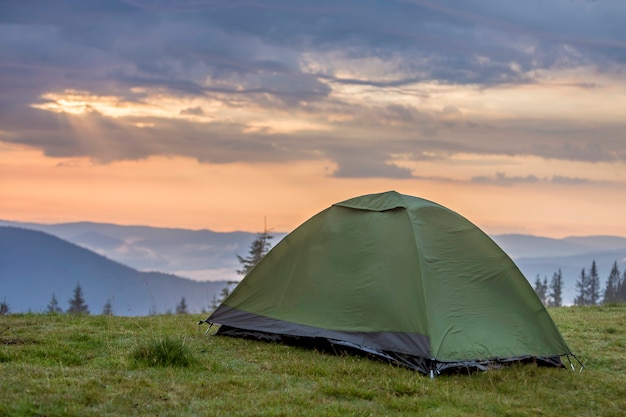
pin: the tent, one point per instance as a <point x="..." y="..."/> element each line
<point x="398" y="277"/>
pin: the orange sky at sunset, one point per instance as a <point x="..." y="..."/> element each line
<point x="180" y="192"/>
<point x="204" y="115"/>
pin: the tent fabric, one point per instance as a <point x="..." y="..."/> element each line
<point x="400" y="277"/>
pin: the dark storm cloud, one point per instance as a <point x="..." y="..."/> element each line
<point x="252" y="53"/>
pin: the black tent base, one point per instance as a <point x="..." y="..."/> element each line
<point x="425" y="366"/>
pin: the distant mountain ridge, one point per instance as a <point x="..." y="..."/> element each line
<point x="528" y="246"/>
<point x="35" y="265"/>
<point x="541" y="257"/>
<point x="201" y="255"/>
<point x="207" y="255"/>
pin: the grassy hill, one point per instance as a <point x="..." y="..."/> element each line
<point x="63" y="365"/>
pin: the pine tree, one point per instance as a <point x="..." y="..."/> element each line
<point x="224" y="293"/>
<point x="107" y="310"/>
<point x="181" y="308"/>
<point x="77" y="304"/>
<point x="556" y="289"/>
<point x="593" y="290"/>
<point x="4" y="308"/>
<point x="612" y="285"/>
<point x="582" y="286"/>
<point x="541" y="288"/>
<point x="621" y="292"/>
<point x="53" y="306"/>
<point x="259" y="247"/>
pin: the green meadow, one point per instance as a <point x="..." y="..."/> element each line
<point x="64" y="365"/>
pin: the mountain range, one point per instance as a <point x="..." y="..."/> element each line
<point x="542" y="257"/>
<point x="202" y="255"/>
<point x="35" y="265"/>
<point x="210" y="259"/>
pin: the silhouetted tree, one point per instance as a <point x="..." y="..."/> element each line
<point x="53" y="306"/>
<point x="77" y="303"/>
<point x="259" y="247"/>
<point x="621" y="292"/>
<point x="556" y="290"/>
<point x="215" y="303"/>
<point x="593" y="290"/>
<point x="613" y="284"/>
<point x="152" y="311"/>
<point x="107" y="310"/>
<point x="541" y="288"/>
<point x="621" y="289"/>
<point x="224" y="293"/>
<point x="582" y="286"/>
<point x="4" y="308"/>
<point x="181" y="308"/>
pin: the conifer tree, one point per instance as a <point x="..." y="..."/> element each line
<point x="77" y="303"/>
<point x="621" y="292"/>
<point x="556" y="289"/>
<point x="107" y="309"/>
<point x="259" y="247"/>
<point x="53" y="306"/>
<point x="541" y="288"/>
<point x="613" y="283"/>
<point x="4" y="308"/>
<point x="582" y="286"/>
<point x="181" y="308"/>
<point x="593" y="291"/>
<point x="225" y="292"/>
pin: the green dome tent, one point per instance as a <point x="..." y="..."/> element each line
<point x="400" y="277"/>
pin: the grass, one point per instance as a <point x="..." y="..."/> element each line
<point x="163" y="351"/>
<point x="61" y="365"/>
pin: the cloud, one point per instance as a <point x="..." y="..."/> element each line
<point x="192" y="111"/>
<point x="366" y="165"/>
<point x="176" y="44"/>
<point x="559" y="179"/>
<point x="281" y="81"/>
<point x="500" y="178"/>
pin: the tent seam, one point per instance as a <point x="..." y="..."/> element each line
<point x="421" y="258"/>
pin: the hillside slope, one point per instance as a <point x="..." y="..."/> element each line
<point x="34" y="265"/>
<point x="203" y="255"/>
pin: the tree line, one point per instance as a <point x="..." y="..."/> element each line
<point x="78" y="305"/>
<point x="588" y="287"/>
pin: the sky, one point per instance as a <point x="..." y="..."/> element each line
<point x="243" y="115"/>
